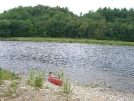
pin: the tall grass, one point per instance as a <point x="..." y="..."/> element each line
<point x="36" y="79"/>
<point x="66" y="85"/>
<point x="60" y="74"/>
<point x="7" y="75"/>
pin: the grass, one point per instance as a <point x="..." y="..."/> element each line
<point x="36" y="79"/>
<point x="60" y="74"/>
<point x="1" y="82"/>
<point x="7" y="75"/>
<point x="68" y="40"/>
<point x="12" y="90"/>
<point x="66" y="85"/>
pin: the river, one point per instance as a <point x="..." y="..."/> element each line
<point x="83" y="63"/>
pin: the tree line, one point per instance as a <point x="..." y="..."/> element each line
<point x="45" y="21"/>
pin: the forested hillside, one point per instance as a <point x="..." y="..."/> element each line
<point x="45" y="21"/>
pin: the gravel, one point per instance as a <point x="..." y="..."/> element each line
<point x="51" y="92"/>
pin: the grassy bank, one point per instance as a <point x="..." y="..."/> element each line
<point x="68" y="40"/>
<point x="16" y="88"/>
<point x="7" y="75"/>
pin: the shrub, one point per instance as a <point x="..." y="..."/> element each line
<point x="66" y="86"/>
<point x="39" y="79"/>
<point x="60" y="74"/>
<point x="36" y="79"/>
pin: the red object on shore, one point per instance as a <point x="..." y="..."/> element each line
<point x="55" y="81"/>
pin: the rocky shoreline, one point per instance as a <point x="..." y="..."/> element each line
<point x="51" y="92"/>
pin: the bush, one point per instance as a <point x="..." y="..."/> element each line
<point x="66" y="85"/>
<point x="36" y="79"/>
<point x="60" y="74"/>
<point x="39" y="79"/>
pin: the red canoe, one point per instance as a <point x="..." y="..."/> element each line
<point x="55" y="81"/>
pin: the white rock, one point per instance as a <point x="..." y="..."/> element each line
<point x="7" y="82"/>
<point x="23" y="88"/>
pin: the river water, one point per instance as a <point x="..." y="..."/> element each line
<point x="83" y="63"/>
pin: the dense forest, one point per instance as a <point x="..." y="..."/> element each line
<point x="45" y="21"/>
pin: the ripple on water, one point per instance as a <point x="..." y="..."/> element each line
<point x="83" y="63"/>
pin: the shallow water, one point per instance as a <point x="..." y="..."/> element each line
<point x="84" y="63"/>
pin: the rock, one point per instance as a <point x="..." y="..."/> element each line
<point x="1" y="99"/>
<point x="1" y="85"/>
<point x="77" y="99"/>
<point x="7" y="82"/>
<point x="55" y="93"/>
<point x="13" y="95"/>
<point x="23" y="88"/>
<point x="1" y="94"/>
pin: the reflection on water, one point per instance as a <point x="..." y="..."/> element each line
<point x="83" y="63"/>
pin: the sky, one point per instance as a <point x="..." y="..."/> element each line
<point x="76" y="6"/>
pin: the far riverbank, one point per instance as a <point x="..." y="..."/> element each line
<point x="68" y="40"/>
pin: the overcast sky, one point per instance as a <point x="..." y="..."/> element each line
<point x="76" y="6"/>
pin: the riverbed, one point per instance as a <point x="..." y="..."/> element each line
<point x="103" y="65"/>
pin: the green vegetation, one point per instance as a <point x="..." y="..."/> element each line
<point x="44" y="21"/>
<point x="1" y="82"/>
<point x="60" y="74"/>
<point x="7" y="75"/>
<point x="68" y="40"/>
<point x="36" y="79"/>
<point x="66" y="85"/>
<point x="12" y="90"/>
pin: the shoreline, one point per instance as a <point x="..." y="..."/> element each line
<point x="69" y="40"/>
<point x="52" y="92"/>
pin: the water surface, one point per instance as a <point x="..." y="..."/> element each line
<point x="84" y="63"/>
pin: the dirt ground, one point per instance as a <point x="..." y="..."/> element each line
<point x="51" y="92"/>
